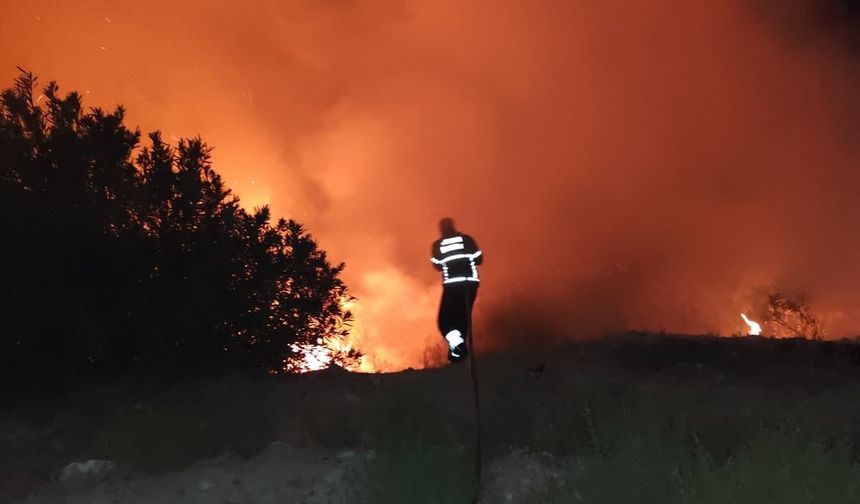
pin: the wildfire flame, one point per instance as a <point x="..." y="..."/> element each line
<point x="755" y="327"/>
<point x="314" y="357"/>
<point x="325" y="352"/>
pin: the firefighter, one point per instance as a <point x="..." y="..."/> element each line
<point x="457" y="256"/>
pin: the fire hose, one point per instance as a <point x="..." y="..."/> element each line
<point x="476" y="399"/>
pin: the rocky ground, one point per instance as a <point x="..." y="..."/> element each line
<point x="277" y="475"/>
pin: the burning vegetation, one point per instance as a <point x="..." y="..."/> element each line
<point x="787" y="317"/>
<point x="627" y="141"/>
<point x="332" y="349"/>
<point x="791" y="317"/>
<point x="754" y="327"/>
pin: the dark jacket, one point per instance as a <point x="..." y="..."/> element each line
<point x="458" y="258"/>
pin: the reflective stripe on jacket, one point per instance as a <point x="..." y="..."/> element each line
<point x="457" y="257"/>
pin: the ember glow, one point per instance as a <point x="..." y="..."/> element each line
<point x="754" y="327"/>
<point x="334" y="349"/>
<point x="603" y="154"/>
<point x="310" y="357"/>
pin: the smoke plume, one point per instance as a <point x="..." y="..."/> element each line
<point x="623" y="164"/>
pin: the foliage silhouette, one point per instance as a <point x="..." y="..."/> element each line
<point x="115" y="255"/>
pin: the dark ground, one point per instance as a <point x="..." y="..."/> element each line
<point x="721" y="392"/>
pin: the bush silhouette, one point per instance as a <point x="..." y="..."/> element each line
<point x="118" y="256"/>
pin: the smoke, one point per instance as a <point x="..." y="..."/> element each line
<point x="623" y="164"/>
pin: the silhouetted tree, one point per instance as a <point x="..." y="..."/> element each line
<point x="115" y="255"/>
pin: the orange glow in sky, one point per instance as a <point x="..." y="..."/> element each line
<point x="626" y="164"/>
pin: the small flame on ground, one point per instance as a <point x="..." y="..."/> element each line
<point x="380" y="313"/>
<point x="325" y="352"/>
<point x="755" y="327"/>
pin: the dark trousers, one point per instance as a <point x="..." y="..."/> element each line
<point x="455" y="310"/>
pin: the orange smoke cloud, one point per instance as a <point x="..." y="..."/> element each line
<point x="623" y="164"/>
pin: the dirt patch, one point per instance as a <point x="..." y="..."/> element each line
<point x="279" y="474"/>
